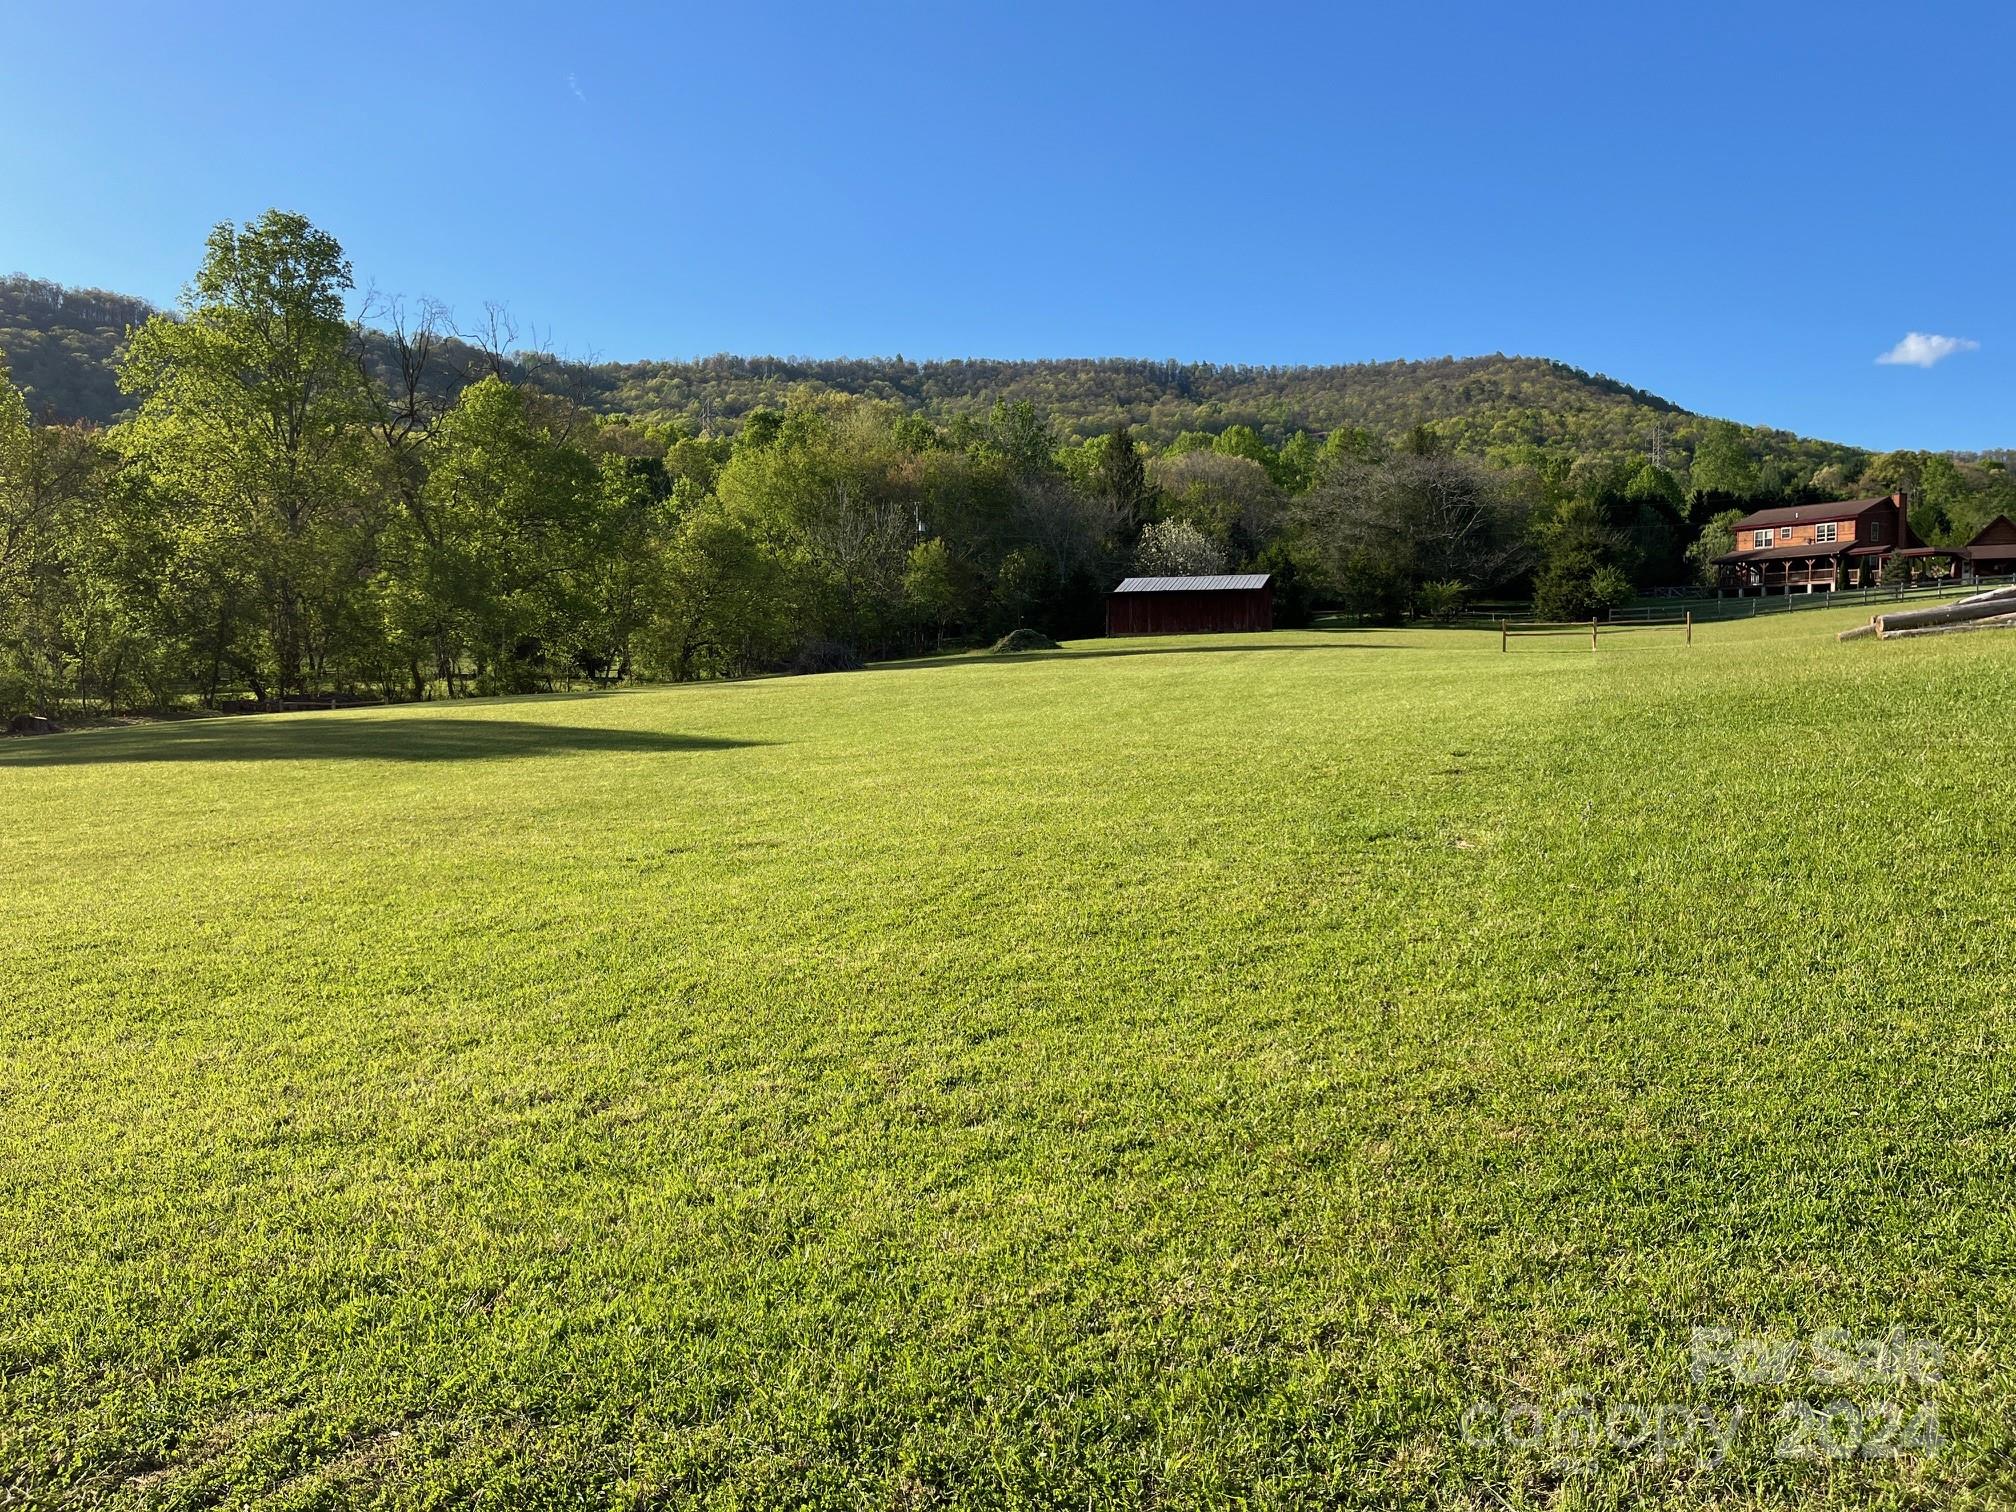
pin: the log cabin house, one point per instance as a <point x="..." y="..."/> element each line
<point x="1816" y="548"/>
<point x="1992" y="553"/>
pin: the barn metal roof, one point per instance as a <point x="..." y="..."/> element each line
<point x="1224" y="583"/>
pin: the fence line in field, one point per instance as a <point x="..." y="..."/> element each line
<point x="1594" y="629"/>
<point x="1750" y="606"/>
<point x="1680" y="613"/>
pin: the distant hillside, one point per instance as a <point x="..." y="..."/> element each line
<point x="1497" y="404"/>
<point x="62" y="344"/>
<point x="1528" y="397"/>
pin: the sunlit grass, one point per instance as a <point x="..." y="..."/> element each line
<point x="1159" y="1071"/>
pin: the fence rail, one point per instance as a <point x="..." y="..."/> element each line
<point x="1680" y="614"/>
<point x="1674" y="612"/>
<point x="1648" y="618"/>
<point x="1594" y="629"/>
<point x="1748" y="606"/>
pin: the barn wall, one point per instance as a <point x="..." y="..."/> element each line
<point x="1190" y="613"/>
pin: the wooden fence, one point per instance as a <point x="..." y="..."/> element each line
<point x="1594" y="629"/>
<point x="1749" y="607"/>
<point x="1680" y="613"/>
<point x="1652" y="618"/>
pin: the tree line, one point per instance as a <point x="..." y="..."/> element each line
<point x="314" y="496"/>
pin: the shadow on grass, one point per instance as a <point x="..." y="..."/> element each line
<point x="1074" y="653"/>
<point x="340" y="737"/>
<point x="1091" y="651"/>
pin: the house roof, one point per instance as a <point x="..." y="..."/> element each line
<point x="1810" y="514"/>
<point x="2000" y="531"/>
<point x="1223" y="583"/>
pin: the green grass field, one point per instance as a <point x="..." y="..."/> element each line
<point x="1282" y="1069"/>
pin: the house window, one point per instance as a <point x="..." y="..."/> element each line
<point x="1759" y="539"/>
<point x="1825" y="533"/>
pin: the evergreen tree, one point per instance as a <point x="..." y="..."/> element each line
<point x="1123" y="479"/>
<point x="1585" y="570"/>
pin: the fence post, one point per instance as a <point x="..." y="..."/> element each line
<point x="1690" y="627"/>
<point x="1592" y="632"/>
<point x="1504" y="635"/>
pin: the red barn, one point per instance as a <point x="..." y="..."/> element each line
<point x="1191" y="605"/>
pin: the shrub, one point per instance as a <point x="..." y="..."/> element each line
<point x="17" y="694"/>
<point x="1441" y="601"/>
<point x="1580" y="590"/>
<point x="1375" y="588"/>
<point x="1610" y="588"/>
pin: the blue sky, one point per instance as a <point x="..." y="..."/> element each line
<point x="1739" y="207"/>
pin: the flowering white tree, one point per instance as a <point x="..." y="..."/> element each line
<point x="1176" y="548"/>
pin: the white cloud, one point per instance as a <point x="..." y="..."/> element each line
<point x="1921" y="350"/>
<point x="574" y="84"/>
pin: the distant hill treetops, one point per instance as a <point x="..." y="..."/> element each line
<point x="62" y="344"/>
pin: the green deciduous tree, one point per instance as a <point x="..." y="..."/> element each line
<point x="1229" y="498"/>
<point x="1299" y="462"/>
<point x="251" y="428"/>
<point x="727" y="605"/>
<point x="835" y="484"/>
<point x="516" y="514"/>
<point x="53" y="525"/>
<point x="1022" y="437"/>
<point x="1724" y="464"/>
<point x="1379" y="530"/>
<point x="936" y="585"/>
<point x="1244" y="441"/>
<point x="1718" y="538"/>
<point x="1348" y="443"/>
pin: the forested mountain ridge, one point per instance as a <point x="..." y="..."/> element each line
<point x="1486" y="405"/>
<point x="1161" y="399"/>
<point x="62" y="345"/>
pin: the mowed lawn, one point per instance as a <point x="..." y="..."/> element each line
<point x="1280" y="1068"/>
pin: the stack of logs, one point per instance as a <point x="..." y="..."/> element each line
<point x="1993" y="610"/>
